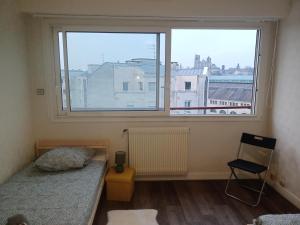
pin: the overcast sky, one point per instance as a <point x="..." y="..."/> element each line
<point x="227" y="47"/>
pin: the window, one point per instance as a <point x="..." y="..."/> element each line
<point x="152" y="86"/>
<point x="188" y="86"/>
<point x="141" y="86"/>
<point x="106" y="71"/>
<point x="125" y="86"/>
<point x="223" y="68"/>
<point x="187" y="103"/>
<point x="125" y="68"/>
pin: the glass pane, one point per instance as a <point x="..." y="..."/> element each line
<point x="62" y="71"/>
<point x="212" y="71"/>
<point x="112" y="71"/>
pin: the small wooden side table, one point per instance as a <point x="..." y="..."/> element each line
<point x="120" y="186"/>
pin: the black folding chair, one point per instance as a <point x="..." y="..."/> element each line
<point x="251" y="167"/>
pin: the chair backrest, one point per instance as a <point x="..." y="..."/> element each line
<point x="260" y="141"/>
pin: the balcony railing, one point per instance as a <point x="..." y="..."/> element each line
<point x="211" y="107"/>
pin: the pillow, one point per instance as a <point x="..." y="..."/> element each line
<point x="64" y="158"/>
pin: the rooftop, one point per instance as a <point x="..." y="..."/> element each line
<point x="230" y="91"/>
<point x="187" y="72"/>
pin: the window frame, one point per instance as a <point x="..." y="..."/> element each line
<point x="160" y="25"/>
<point x="111" y="113"/>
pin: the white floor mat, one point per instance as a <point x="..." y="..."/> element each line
<point x="132" y="217"/>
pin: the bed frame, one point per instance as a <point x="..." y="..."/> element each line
<point x="42" y="146"/>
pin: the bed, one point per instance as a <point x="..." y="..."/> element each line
<point x="277" y="219"/>
<point x="60" y="198"/>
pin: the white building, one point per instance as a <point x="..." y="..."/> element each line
<point x="188" y="89"/>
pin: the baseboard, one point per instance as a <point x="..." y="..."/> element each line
<point x="189" y="176"/>
<point x="291" y="197"/>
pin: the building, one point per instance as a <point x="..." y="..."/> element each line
<point x="230" y="91"/>
<point x="127" y="85"/>
<point x="132" y="84"/>
<point x="188" y="89"/>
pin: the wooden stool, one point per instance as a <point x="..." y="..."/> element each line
<point x="120" y="186"/>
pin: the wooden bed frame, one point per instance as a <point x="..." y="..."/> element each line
<point x="42" y="146"/>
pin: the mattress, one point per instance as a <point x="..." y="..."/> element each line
<point x="47" y="198"/>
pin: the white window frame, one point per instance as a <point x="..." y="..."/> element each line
<point x="50" y="64"/>
<point x="117" y="113"/>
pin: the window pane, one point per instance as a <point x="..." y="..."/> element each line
<point x="219" y="78"/>
<point x="109" y="71"/>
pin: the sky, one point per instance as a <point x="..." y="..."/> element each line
<point x="225" y="47"/>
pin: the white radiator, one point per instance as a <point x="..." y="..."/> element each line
<point x="159" y="150"/>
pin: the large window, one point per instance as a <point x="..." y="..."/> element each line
<point x="208" y="71"/>
<point x="101" y="71"/>
<point x="222" y="65"/>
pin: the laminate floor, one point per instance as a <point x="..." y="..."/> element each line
<point x="196" y="203"/>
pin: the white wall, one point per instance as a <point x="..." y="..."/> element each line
<point x="164" y="8"/>
<point x="285" y="123"/>
<point x="213" y="144"/>
<point x="214" y="141"/>
<point x="16" y="138"/>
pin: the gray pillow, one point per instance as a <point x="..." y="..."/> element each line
<point x="64" y="158"/>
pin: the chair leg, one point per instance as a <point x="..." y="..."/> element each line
<point x="227" y="184"/>
<point x="261" y="191"/>
<point x="239" y="199"/>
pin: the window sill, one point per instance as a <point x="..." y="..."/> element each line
<point x="156" y="118"/>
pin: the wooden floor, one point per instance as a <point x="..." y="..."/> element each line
<point x="195" y="203"/>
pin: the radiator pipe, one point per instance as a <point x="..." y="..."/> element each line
<point x="126" y="131"/>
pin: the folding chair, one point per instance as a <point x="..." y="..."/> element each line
<point x="251" y="167"/>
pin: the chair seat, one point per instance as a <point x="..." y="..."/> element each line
<point x="247" y="166"/>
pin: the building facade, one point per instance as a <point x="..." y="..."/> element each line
<point x="132" y="85"/>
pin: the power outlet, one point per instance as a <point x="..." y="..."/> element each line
<point x="40" y="91"/>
